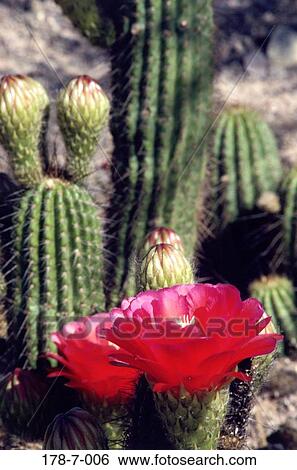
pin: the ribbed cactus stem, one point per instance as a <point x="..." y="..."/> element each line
<point x="289" y="193"/>
<point x="154" y="67"/>
<point x="83" y="111"/>
<point x="23" y="106"/>
<point x="192" y="421"/>
<point x="92" y="18"/>
<point x="56" y="270"/>
<point x="277" y="295"/>
<point x="246" y="164"/>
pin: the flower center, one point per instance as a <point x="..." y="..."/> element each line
<point x="186" y="320"/>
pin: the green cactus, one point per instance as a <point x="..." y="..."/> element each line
<point x="23" y="107"/>
<point x="54" y="268"/>
<point x="91" y="17"/>
<point x="289" y="194"/>
<point x="83" y="111"/>
<point x="164" y="266"/>
<point x="277" y="295"/>
<point x="246" y="167"/>
<point x="161" y="80"/>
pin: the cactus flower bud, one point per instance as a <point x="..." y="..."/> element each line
<point x="83" y="110"/>
<point x="75" y="430"/>
<point x="22" y="392"/>
<point x="162" y="235"/>
<point x="164" y="266"/>
<point x="23" y="104"/>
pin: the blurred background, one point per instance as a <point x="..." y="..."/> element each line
<point x="256" y="64"/>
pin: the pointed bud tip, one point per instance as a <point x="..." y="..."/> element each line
<point x="163" y="235"/>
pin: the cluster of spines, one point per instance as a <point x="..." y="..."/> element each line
<point x="245" y="163"/>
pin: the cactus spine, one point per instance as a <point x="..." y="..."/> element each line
<point x="55" y="270"/>
<point x="246" y="163"/>
<point x="161" y="79"/>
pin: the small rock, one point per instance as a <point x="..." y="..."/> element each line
<point x="282" y="48"/>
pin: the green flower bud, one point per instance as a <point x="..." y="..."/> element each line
<point x="164" y="266"/>
<point x="23" y="105"/>
<point x="83" y="111"/>
<point x="75" y="430"/>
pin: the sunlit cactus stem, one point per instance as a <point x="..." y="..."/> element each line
<point x="161" y="61"/>
<point x="56" y="271"/>
<point x="277" y="295"/>
<point x="83" y="111"/>
<point x="23" y="108"/>
<point x="245" y="167"/>
<point x="289" y="205"/>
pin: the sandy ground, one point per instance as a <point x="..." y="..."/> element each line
<point x="43" y="43"/>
